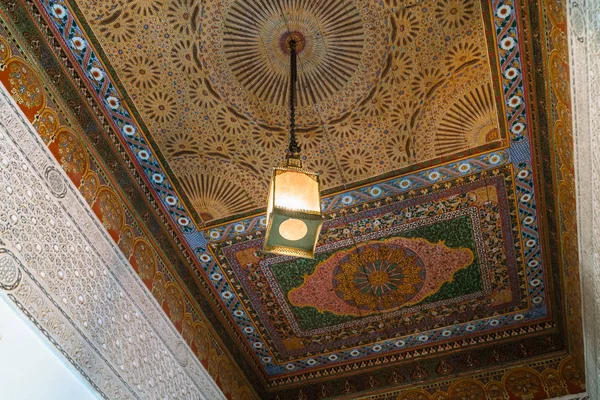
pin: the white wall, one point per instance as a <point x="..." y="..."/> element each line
<point x="29" y="367"/>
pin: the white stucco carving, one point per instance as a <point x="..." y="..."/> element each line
<point x="584" y="42"/>
<point x="62" y="270"/>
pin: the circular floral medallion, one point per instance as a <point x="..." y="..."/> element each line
<point x="142" y="72"/>
<point x="379" y="276"/>
<point x="25" y="87"/>
<point x="10" y="273"/>
<point x="56" y="182"/>
<point x="340" y="56"/>
<point x="145" y="261"/>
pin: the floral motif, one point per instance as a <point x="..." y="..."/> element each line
<point x="46" y="125"/>
<point x="326" y="168"/>
<point x="118" y="27"/>
<point x="379" y="277"/>
<point x="25" y="87"/>
<point x="348" y="129"/>
<point x="378" y="104"/>
<point x="73" y="156"/>
<point x="470" y="121"/>
<point x="511" y="73"/>
<point x="454" y="13"/>
<point x="230" y="122"/>
<point x="356" y="161"/>
<point x="126" y="239"/>
<point x="201" y="95"/>
<point x="405" y="27"/>
<point x="142" y="72"/>
<point x="553" y="383"/>
<point x="312" y="139"/>
<point x="426" y="80"/>
<point x="145" y="261"/>
<point x="110" y="209"/>
<point x="329" y="62"/>
<point x="256" y="161"/>
<point x="507" y="43"/>
<point x="401" y="68"/>
<point x="401" y="114"/>
<point x="269" y="138"/>
<point x="145" y="7"/>
<point x="219" y="146"/>
<point x="184" y="16"/>
<point x="184" y="55"/>
<point x="525" y="384"/>
<point x="96" y="74"/>
<point x="58" y="11"/>
<point x="78" y="43"/>
<point x="182" y="144"/>
<point x="113" y="102"/>
<point x="515" y="101"/>
<point x="467" y="389"/>
<point x="159" y="106"/>
<point x="397" y="149"/>
<point x="89" y="185"/>
<point x="572" y="374"/>
<point x="214" y="197"/>
<point x="202" y="340"/>
<point x="496" y="391"/>
<point x="174" y="300"/>
<point x="461" y="55"/>
<point x="503" y="11"/>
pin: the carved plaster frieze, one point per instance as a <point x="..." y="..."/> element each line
<point x="584" y="43"/>
<point x="64" y="272"/>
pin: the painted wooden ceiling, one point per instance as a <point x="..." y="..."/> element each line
<point x="429" y="122"/>
<point x="382" y="87"/>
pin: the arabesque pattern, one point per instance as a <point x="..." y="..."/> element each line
<point x="520" y="352"/>
<point x="221" y="86"/>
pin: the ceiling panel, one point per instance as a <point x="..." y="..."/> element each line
<point x="382" y="87"/>
<point x="441" y="253"/>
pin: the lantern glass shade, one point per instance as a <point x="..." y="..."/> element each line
<point x="294" y="217"/>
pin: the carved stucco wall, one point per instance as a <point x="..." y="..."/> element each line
<point x="584" y="37"/>
<point x="62" y="270"/>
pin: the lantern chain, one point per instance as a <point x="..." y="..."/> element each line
<point x="294" y="149"/>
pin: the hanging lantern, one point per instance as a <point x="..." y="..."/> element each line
<point x="294" y="217"/>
